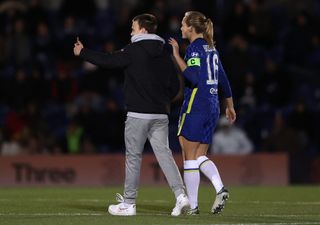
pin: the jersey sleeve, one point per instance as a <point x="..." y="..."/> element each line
<point x="193" y="61"/>
<point x="224" y="82"/>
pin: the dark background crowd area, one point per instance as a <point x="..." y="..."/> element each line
<point x="52" y="102"/>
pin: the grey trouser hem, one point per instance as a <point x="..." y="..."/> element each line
<point x="136" y="133"/>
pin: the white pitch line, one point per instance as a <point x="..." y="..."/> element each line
<point x="144" y="214"/>
<point x="290" y="216"/>
<point x="164" y="201"/>
<point x="277" y="215"/>
<point x="78" y="200"/>
<point x="77" y="214"/>
<point x="275" y="202"/>
<point x="55" y="200"/>
<point x="301" y="223"/>
<point x="52" y="214"/>
<point x="155" y="214"/>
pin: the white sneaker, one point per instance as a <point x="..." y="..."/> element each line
<point x="122" y="209"/>
<point x="182" y="205"/>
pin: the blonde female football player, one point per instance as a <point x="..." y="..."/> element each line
<point x="203" y="72"/>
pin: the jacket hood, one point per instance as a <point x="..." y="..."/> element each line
<point x="152" y="43"/>
<point x="141" y="37"/>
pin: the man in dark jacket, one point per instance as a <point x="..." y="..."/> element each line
<point x="150" y="85"/>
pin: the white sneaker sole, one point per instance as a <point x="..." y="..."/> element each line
<point x="183" y="210"/>
<point x="120" y="214"/>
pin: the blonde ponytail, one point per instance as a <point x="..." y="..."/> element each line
<point x="208" y="33"/>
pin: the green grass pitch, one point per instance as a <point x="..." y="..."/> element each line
<point x="87" y="206"/>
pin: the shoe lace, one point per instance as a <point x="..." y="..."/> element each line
<point x="119" y="198"/>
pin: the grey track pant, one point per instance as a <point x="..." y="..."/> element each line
<point x="136" y="133"/>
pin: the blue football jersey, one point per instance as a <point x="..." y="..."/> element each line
<point x="204" y="74"/>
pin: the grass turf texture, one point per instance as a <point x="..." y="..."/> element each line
<point x="87" y="206"/>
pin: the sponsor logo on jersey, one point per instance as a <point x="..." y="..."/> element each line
<point x="213" y="91"/>
<point x="194" y="54"/>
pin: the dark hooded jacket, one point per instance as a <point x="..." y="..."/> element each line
<point x="151" y="80"/>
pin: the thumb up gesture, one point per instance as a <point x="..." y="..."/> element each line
<point x="78" y="46"/>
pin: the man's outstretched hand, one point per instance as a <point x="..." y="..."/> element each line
<point x="78" y="46"/>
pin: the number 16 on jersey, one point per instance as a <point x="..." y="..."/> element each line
<point x="212" y="67"/>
